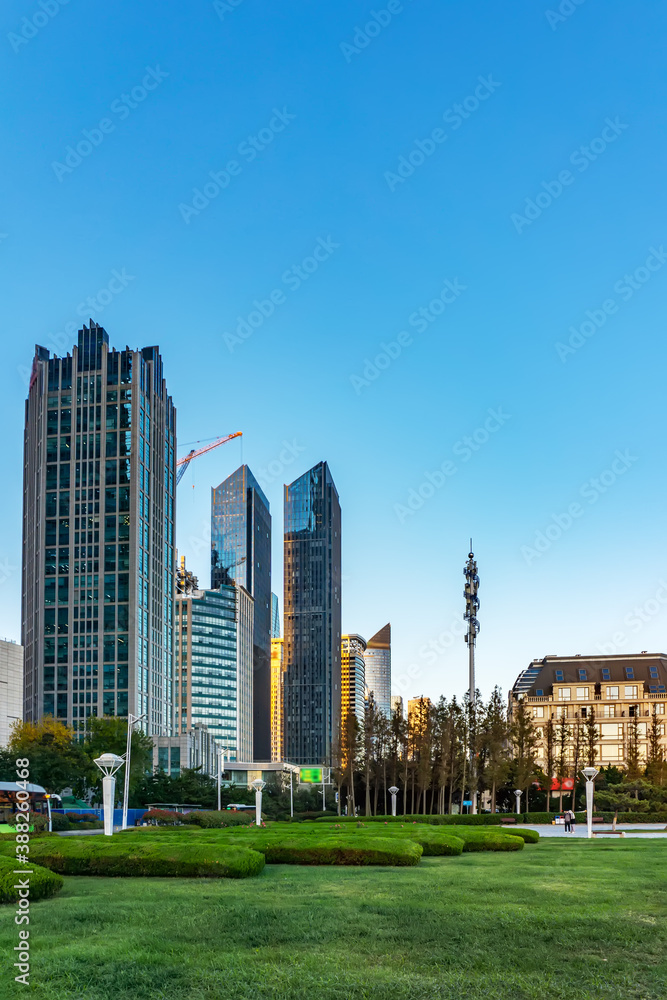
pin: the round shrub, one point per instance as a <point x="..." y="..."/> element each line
<point x="60" y="823"/>
<point x="481" y="840"/>
<point x="528" y="836"/>
<point x="43" y="883"/>
<point x="163" y="817"/>
<point x="208" y="819"/>
<point x="342" y="851"/>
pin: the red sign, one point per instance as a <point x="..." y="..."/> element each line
<point x="566" y="785"/>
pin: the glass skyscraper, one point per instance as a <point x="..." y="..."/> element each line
<point x="241" y="555"/>
<point x="378" y="669"/>
<point x="98" y="535"/>
<point x="312" y="617"/>
<point x="353" y="678"/>
<point x="275" y="617"/>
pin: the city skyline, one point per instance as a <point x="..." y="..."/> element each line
<point x="468" y="331"/>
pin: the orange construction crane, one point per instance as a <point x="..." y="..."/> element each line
<point x="183" y="463"/>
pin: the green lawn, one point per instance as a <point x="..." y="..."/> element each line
<point x="577" y="920"/>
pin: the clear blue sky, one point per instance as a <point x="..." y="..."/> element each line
<point x="334" y="111"/>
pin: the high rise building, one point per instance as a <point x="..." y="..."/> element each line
<point x="277" y="699"/>
<point x="275" y="617"/>
<point x="378" y="668"/>
<point x="11" y="688"/>
<point x="241" y="556"/>
<point x="353" y="678"/>
<point x="397" y="704"/>
<point x="312" y="617"/>
<point x="98" y="535"/>
<point x="419" y="710"/>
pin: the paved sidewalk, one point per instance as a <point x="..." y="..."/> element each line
<point x="654" y="830"/>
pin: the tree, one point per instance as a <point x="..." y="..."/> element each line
<point x="109" y="734"/>
<point x="524" y="741"/>
<point x="562" y="746"/>
<point x="549" y="741"/>
<point x="591" y="738"/>
<point x="349" y="751"/>
<point x="368" y="738"/>
<point x="493" y="745"/>
<point x="577" y="747"/>
<point x="655" y="758"/>
<point x="633" y="769"/>
<point x="57" y="761"/>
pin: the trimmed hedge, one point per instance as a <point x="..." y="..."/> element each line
<point x="126" y="857"/>
<point x="225" y="818"/>
<point x="342" y="851"/>
<point x="528" y="836"/>
<point x="481" y="840"/>
<point x="483" y="819"/>
<point x="43" y="883"/>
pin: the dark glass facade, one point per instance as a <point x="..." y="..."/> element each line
<point x="378" y="669"/>
<point x="98" y="535"/>
<point x="241" y="555"/>
<point x="312" y="617"/>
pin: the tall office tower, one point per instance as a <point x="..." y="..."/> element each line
<point x="11" y="688"/>
<point x="397" y="704"/>
<point x="277" y="699"/>
<point x="419" y="710"/>
<point x="275" y="617"/>
<point x="214" y="666"/>
<point x="98" y="535"/>
<point x="353" y="677"/>
<point x="312" y="617"/>
<point x="241" y="555"/>
<point x="378" y="668"/>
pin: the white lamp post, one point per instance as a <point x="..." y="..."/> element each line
<point x="518" y="793"/>
<point x="108" y="764"/>
<point x="291" y="795"/>
<point x="258" y="785"/>
<point x="590" y="774"/>
<point x="131" y="720"/>
<point x="222" y="752"/>
<point x="48" y="809"/>
<point x="393" y="791"/>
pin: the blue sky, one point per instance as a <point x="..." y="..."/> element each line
<point x="499" y="168"/>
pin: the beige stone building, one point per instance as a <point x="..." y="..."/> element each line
<point x="616" y="689"/>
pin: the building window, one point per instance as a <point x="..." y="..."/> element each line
<point x="606" y="674"/>
<point x="582" y="694"/>
<point x="653" y="673"/>
<point x="538" y="712"/>
<point x="582" y="675"/>
<point x="540" y="693"/>
<point x="612" y="692"/>
<point x="609" y="711"/>
<point x="659" y="709"/>
<point x="630" y="691"/>
<point x="564" y="694"/>
<point x="629" y="673"/>
<point x="559" y="676"/>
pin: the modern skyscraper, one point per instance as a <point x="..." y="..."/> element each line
<point x="11" y="688"/>
<point x="275" y="617"/>
<point x="277" y="699"/>
<point x="312" y="617"/>
<point x="214" y="665"/>
<point x="353" y="677"/>
<point x="98" y="535"/>
<point x="241" y="555"/>
<point x="397" y="704"/>
<point x="378" y="669"/>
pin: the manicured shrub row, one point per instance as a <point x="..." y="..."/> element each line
<point x="342" y="851"/>
<point x="481" y="840"/>
<point x="478" y="820"/>
<point x="199" y="817"/>
<point x="43" y="883"/>
<point x="125" y="857"/>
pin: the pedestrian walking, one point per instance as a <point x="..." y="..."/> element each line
<point x="567" y="816"/>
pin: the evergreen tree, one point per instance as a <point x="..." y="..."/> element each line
<point x="633" y="768"/>
<point x="524" y="742"/>
<point x="591" y="738"/>
<point x="494" y="738"/>
<point x="655" y="760"/>
<point x="562" y="746"/>
<point x="550" y="765"/>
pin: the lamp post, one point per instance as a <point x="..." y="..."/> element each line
<point x="590" y="774"/>
<point x="48" y="809"/>
<point x="258" y="785"/>
<point x="131" y="721"/>
<point x="291" y="796"/>
<point x="222" y="751"/>
<point x="518" y="793"/>
<point x="108" y="764"/>
<point x="393" y="791"/>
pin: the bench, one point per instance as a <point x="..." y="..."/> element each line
<point x="598" y="819"/>
<point x="507" y="819"/>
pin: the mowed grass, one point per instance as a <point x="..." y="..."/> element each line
<point x="584" y="920"/>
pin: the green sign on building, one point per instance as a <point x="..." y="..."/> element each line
<point x="310" y="775"/>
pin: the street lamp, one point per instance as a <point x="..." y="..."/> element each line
<point x="222" y="751"/>
<point x="590" y="774"/>
<point x="108" y="764"/>
<point x="518" y="793"/>
<point x="393" y="791"/>
<point x="48" y="809"/>
<point x="258" y="785"/>
<point x="131" y="721"/>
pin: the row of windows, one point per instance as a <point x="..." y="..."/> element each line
<point x="629" y="673"/>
